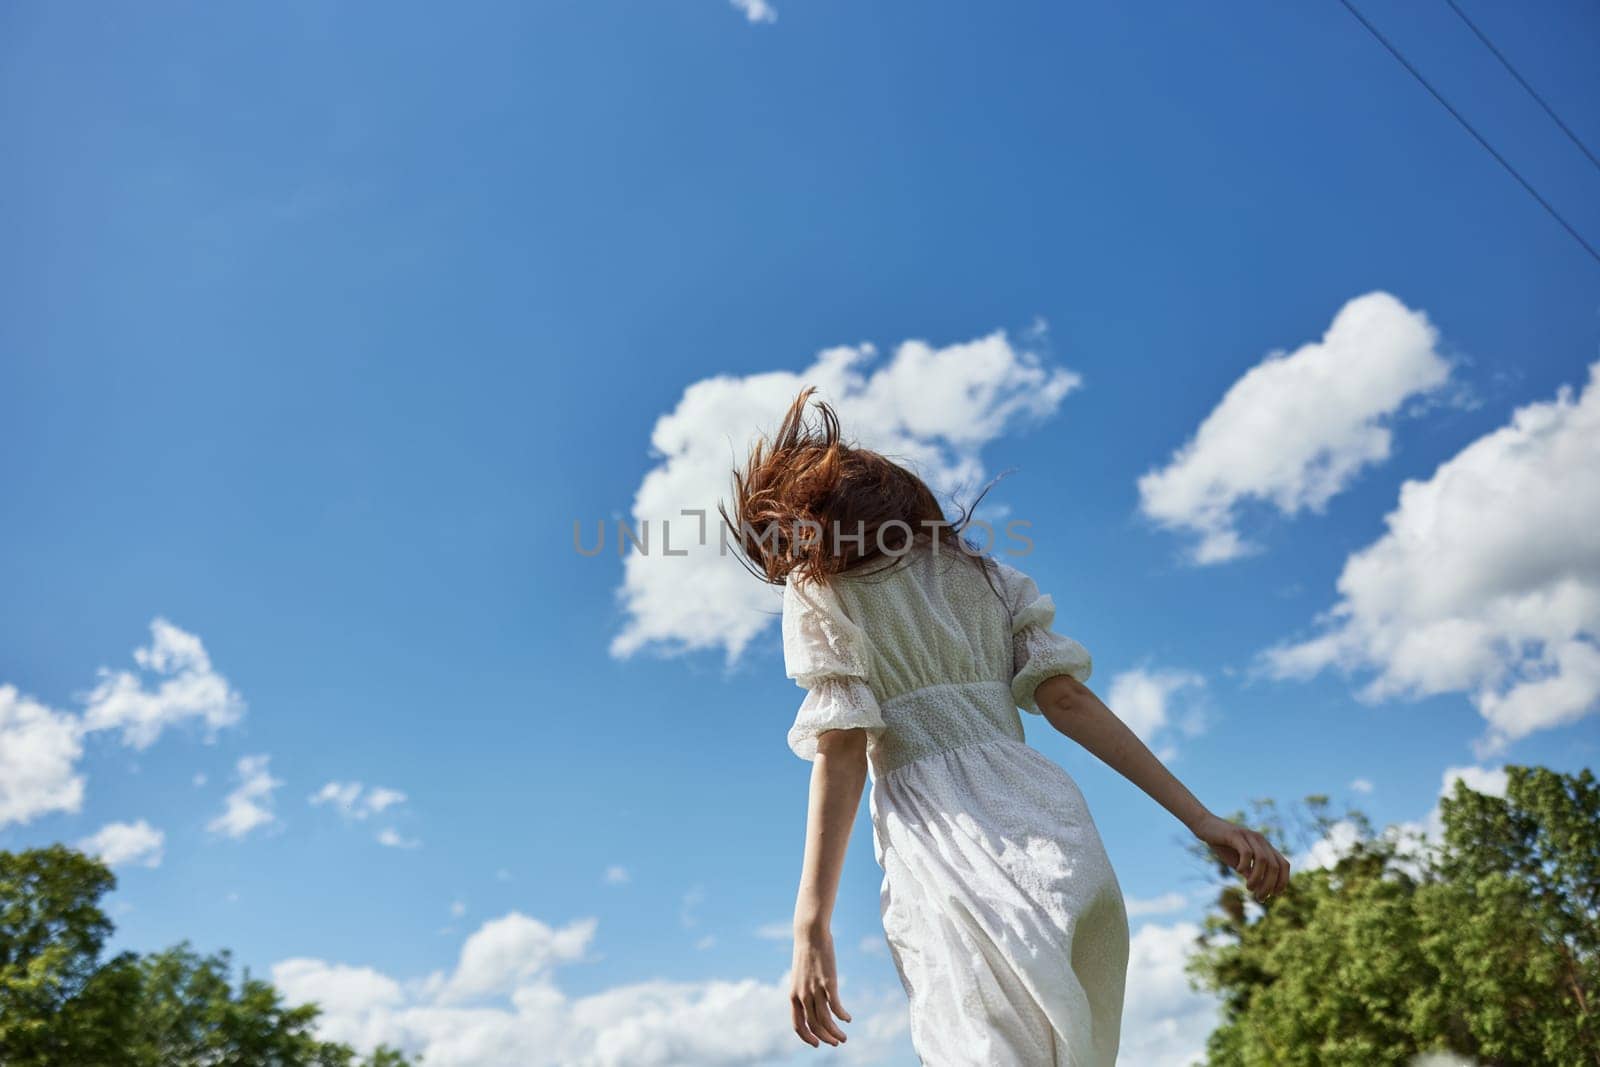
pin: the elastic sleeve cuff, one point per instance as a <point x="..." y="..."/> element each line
<point x="835" y="702"/>
<point x="1044" y="654"/>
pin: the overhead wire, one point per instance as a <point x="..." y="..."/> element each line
<point x="1504" y="62"/>
<point x="1415" y="73"/>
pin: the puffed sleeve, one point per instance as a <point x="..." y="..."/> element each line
<point x="1038" y="652"/>
<point x="828" y="655"/>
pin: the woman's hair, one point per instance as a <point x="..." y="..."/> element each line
<point x="808" y="503"/>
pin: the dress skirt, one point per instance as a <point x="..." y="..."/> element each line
<point x="1001" y="910"/>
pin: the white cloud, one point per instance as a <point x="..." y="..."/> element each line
<point x="249" y="806"/>
<point x="1490" y="781"/>
<point x="933" y="409"/>
<point x="1411" y="835"/>
<point x="1142" y="699"/>
<point x="756" y="10"/>
<point x="1362" y="785"/>
<point x="358" y="1004"/>
<point x="342" y="795"/>
<point x="39" y="753"/>
<point x="1329" y="849"/>
<point x="1298" y="427"/>
<point x="501" y="1007"/>
<point x="458" y="908"/>
<point x="189" y="688"/>
<point x="616" y="874"/>
<point x="776" y="931"/>
<point x="1165" y="1022"/>
<point x="121" y="844"/>
<point x="1165" y="904"/>
<point x="389" y="837"/>
<point x="380" y="799"/>
<point x="40" y="747"/>
<point x="358" y="802"/>
<point x="511" y="951"/>
<point x="355" y="801"/>
<point x="1487" y="581"/>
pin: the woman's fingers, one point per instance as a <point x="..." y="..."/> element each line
<point x="818" y="1019"/>
<point x="797" y="1009"/>
<point x="1264" y="869"/>
<point x="1270" y="875"/>
<point x="814" y="994"/>
<point x="1264" y="872"/>
<point x="1241" y="845"/>
<point x="833" y="1002"/>
<point x="1267" y="876"/>
<point x="1261" y="873"/>
<point x="1258" y="864"/>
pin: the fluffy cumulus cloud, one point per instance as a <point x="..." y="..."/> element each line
<point x="125" y="844"/>
<point x="1147" y="700"/>
<point x="185" y="688"/>
<point x="1413" y="836"/>
<point x="931" y="408"/>
<point x="1486" y="582"/>
<point x="41" y="747"/>
<point x="39" y="753"/>
<point x="1165" y="1021"/>
<point x="1298" y="427"/>
<point x="501" y="1007"/>
<point x="510" y="952"/>
<point x="249" y="806"/>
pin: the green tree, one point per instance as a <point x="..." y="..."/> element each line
<point x="1486" y="944"/>
<point x="57" y="1003"/>
<point x="61" y="1003"/>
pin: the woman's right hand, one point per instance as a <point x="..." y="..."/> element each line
<point x="816" y="989"/>
<point x="1264" y="869"/>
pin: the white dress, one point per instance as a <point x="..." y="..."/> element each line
<point x="1003" y="916"/>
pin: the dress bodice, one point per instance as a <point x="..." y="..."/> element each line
<point x="927" y="655"/>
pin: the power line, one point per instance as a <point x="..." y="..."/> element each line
<point x="1404" y="62"/>
<point x="1504" y="62"/>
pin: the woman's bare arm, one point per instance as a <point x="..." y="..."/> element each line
<point x="1073" y="708"/>
<point x="838" y="775"/>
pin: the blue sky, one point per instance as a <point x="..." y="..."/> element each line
<point x="323" y="326"/>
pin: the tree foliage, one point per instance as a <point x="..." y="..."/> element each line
<point x="1485" y="944"/>
<point x="62" y="1003"/>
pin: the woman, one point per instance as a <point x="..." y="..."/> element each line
<point x="1003" y="916"/>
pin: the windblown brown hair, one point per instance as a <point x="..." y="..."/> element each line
<point x="803" y="497"/>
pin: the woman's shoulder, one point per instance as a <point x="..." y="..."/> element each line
<point x="1014" y="584"/>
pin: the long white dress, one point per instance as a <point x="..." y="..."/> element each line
<point x="1003" y="916"/>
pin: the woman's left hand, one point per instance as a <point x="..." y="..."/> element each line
<point x="815" y="996"/>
